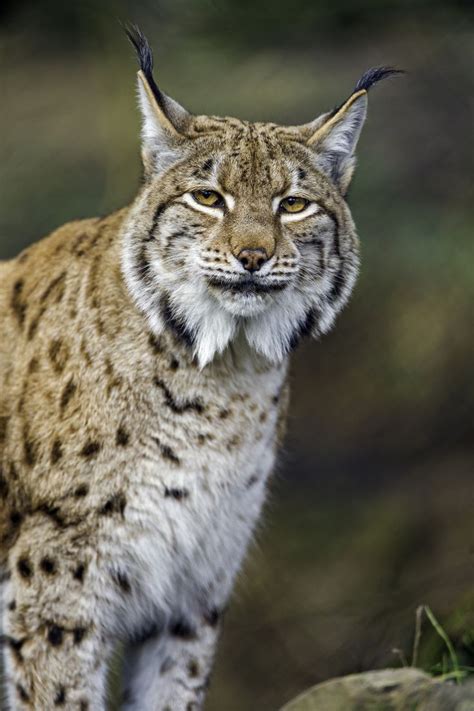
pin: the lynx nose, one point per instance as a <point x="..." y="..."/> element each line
<point x="252" y="259"/>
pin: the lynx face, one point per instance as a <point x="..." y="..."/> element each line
<point x="242" y="228"/>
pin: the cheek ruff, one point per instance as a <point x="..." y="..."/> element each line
<point x="207" y="303"/>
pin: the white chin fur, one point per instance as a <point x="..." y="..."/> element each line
<point x="268" y="323"/>
<point x="243" y="305"/>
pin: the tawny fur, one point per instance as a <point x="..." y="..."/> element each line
<point x="143" y="399"/>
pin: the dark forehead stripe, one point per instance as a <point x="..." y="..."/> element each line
<point x="253" y="161"/>
<point x="271" y="143"/>
<point x="202" y="172"/>
<point x="208" y="165"/>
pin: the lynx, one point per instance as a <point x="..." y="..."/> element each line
<point x="143" y="370"/>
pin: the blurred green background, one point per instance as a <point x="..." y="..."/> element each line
<point x="371" y="512"/>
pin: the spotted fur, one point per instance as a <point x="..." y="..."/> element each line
<point x="143" y="397"/>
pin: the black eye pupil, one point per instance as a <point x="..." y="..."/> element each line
<point x="291" y="200"/>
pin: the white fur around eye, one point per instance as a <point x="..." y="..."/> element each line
<point x="311" y="209"/>
<point x="216" y="212"/>
<point x="229" y="199"/>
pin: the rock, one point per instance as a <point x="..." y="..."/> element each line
<point x="386" y="690"/>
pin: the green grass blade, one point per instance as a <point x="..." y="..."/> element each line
<point x="449" y="646"/>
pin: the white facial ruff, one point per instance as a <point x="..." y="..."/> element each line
<point x="270" y="322"/>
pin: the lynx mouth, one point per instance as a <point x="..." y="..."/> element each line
<point x="246" y="285"/>
<point x="244" y="297"/>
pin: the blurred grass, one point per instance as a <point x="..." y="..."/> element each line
<point x="371" y="512"/>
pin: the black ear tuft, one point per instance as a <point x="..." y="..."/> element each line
<point x="142" y="48"/>
<point x="373" y="75"/>
<point x="145" y="57"/>
<point x="368" y="79"/>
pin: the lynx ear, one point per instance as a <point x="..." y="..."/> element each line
<point x="335" y="139"/>
<point x="164" y="121"/>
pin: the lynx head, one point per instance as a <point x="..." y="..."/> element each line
<point x="241" y="228"/>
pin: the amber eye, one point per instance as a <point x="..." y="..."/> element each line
<point x="209" y="198"/>
<point x="293" y="204"/>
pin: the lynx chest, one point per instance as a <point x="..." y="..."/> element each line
<point x="194" y="481"/>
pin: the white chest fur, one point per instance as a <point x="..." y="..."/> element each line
<point x="195" y="486"/>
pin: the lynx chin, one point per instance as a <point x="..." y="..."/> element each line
<point x="143" y="372"/>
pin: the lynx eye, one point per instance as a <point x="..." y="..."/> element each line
<point x="209" y="198"/>
<point x="293" y="204"/>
